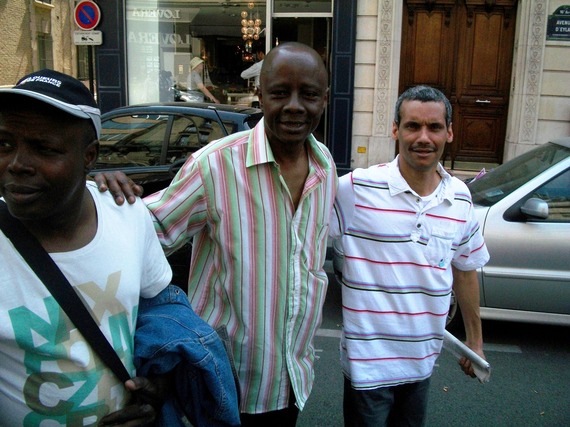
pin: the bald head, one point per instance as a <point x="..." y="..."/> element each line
<point x="294" y="51"/>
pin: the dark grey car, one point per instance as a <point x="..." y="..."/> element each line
<point x="149" y="142"/>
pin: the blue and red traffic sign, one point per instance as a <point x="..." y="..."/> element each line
<point x="87" y="15"/>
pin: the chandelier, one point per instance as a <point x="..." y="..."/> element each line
<point x="250" y="26"/>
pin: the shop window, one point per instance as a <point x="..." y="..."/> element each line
<point x="163" y="37"/>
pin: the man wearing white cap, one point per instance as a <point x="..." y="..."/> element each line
<point x="49" y="130"/>
<point x="196" y="87"/>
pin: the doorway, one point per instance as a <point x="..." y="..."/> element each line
<point x="465" y="49"/>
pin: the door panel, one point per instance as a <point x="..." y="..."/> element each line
<point x="464" y="48"/>
<point x="427" y="47"/>
<point x="429" y="35"/>
<point x="479" y="131"/>
<point x="482" y="89"/>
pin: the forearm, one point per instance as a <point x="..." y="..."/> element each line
<point x="206" y="92"/>
<point x="466" y="287"/>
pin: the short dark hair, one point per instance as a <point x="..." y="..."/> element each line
<point x="423" y="93"/>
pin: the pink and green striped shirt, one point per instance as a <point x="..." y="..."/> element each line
<point x="257" y="262"/>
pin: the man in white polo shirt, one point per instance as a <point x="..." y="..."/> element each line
<point x="409" y="236"/>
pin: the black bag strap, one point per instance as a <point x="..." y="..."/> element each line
<point x="58" y="285"/>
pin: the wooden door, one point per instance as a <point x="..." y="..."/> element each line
<point x="465" y="49"/>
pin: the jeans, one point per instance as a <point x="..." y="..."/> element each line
<point x="401" y="405"/>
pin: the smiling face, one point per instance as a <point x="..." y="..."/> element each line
<point x="293" y="94"/>
<point x="421" y="135"/>
<point x="44" y="155"/>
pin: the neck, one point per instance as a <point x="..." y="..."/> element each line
<point x="69" y="232"/>
<point x="423" y="183"/>
<point x="288" y="153"/>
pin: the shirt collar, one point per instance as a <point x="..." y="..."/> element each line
<point x="397" y="184"/>
<point x="259" y="151"/>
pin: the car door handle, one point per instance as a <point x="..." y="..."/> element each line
<point x="482" y="101"/>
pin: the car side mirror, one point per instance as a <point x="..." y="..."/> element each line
<point x="535" y="207"/>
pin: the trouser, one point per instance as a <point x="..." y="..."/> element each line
<point x="397" y="406"/>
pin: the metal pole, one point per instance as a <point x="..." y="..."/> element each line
<point x="90" y="67"/>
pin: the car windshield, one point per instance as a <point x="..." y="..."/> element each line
<point x="503" y="180"/>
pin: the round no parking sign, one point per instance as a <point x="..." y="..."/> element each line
<point x="87" y="15"/>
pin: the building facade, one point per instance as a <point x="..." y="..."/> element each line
<point x="538" y="87"/>
<point x="38" y="34"/>
<point x="506" y="76"/>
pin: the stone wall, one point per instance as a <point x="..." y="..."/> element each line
<point x="20" y="22"/>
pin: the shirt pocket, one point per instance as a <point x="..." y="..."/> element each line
<point x="438" y="251"/>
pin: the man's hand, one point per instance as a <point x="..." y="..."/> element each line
<point x="120" y="186"/>
<point x="144" y="408"/>
<point x="467" y="366"/>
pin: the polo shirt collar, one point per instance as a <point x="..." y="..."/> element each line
<point x="397" y="184"/>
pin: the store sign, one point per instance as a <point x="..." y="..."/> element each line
<point x="186" y="14"/>
<point x="160" y="39"/>
<point x="558" y="27"/>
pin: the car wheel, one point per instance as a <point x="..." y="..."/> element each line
<point x="454" y="321"/>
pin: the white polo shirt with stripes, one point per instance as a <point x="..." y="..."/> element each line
<point x="397" y="277"/>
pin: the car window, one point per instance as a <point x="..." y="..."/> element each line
<point x="131" y="140"/>
<point x="190" y="133"/>
<point x="556" y="193"/>
<point x="231" y="127"/>
<point x="502" y="181"/>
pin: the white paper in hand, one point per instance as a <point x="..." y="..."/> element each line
<point x="481" y="367"/>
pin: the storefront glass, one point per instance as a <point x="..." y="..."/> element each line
<point x="165" y="37"/>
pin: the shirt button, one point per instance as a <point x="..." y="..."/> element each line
<point x="419" y="225"/>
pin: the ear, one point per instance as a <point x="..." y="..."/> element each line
<point x="90" y="154"/>
<point x="449" y="134"/>
<point x="260" y="97"/>
<point x="394" y="131"/>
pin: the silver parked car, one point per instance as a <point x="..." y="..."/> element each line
<point x="523" y="207"/>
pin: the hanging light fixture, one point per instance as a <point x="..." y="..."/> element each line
<point x="250" y="26"/>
